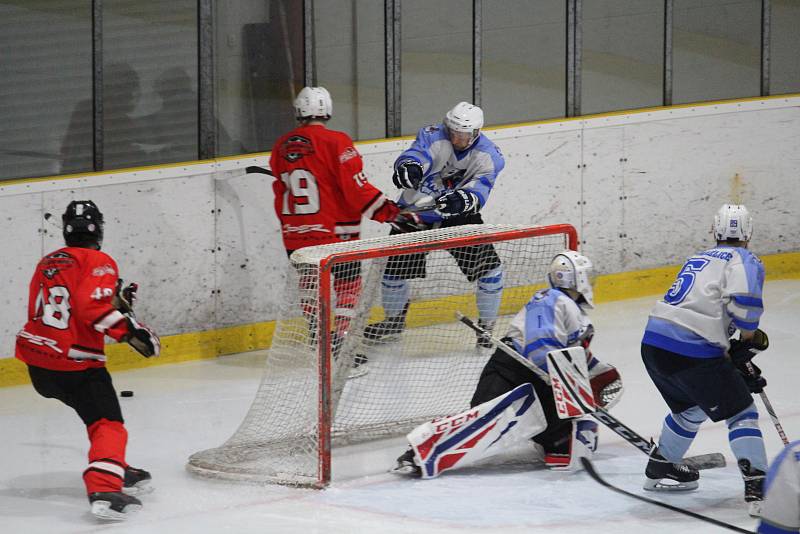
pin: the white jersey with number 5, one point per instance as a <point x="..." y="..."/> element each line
<point x="716" y="292"/>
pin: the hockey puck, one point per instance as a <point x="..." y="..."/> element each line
<point x="126" y="393"/>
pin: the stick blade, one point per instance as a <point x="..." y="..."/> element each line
<point x="705" y="461"/>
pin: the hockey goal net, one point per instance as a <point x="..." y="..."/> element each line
<point x="312" y="399"/>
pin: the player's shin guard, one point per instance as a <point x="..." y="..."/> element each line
<point x="395" y="294"/>
<point x="482" y="431"/>
<point x="582" y="444"/>
<point x="678" y="432"/>
<point x="488" y="293"/>
<point x="106" y="471"/>
<point x="745" y="438"/>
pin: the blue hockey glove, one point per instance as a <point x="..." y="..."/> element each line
<point x="458" y="202"/>
<point x="407" y="174"/>
<point x="755" y="382"/>
<point x="744" y="351"/>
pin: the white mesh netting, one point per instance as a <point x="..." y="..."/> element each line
<point x="429" y="370"/>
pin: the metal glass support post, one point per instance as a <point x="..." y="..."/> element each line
<point x="766" y="17"/>
<point x="206" y="123"/>
<point x="667" y="72"/>
<point x="477" y="55"/>
<point x="392" y="66"/>
<point x="97" y="84"/>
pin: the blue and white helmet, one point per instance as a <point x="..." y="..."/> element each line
<point x="734" y="222"/>
<point x="570" y="270"/>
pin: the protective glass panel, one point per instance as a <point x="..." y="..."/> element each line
<point x="524" y="49"/>
<point x="45" y="88"/>
<point x="258" y="66"/>
<point x="436" y="60"/>
<point x="717" y="49"/>
<point x="784" y="47"/>
<point x="149" y="82"/>
<point x="622" y="59"/>
<point x="349" y="58"/>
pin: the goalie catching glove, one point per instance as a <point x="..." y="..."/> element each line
<point x="606" y="384"/>
<point x="742" y="351"/>
<point x="142" y="338"/>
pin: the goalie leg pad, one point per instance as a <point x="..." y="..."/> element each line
<point x="582" y="444"/>
<point x="481" y="432"/>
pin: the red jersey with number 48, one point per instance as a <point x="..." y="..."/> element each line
<point x="69" y="311"/>
<point x="321" y="192"/>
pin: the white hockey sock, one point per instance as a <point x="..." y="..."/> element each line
<point x="488" y="294"/>
<point x="678" y="432"/>
<point x="746" y="439"/>
<point x="395" y="294"/>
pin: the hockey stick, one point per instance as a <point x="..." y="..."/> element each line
<point x="768" y="406"/>
<point x="702" y="461"/>
<point x="587" y="465"/>
<point x="254" y="169"/>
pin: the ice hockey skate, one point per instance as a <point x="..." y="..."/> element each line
<point x="113" y="506"/>
<point x="663" y="475"/>
<point x="753" y="487"/>
<point x="387" y="330"/>
<point x="406" y="465"/>
<point x="137" y="481"/>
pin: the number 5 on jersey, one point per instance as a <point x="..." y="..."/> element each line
<point x="680" y="288"/>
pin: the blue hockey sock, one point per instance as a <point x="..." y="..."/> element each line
<point x="395" y="294"/>
<point x="678" y="432"/>
<point x="488" y="294"/>
<point x="746" y="439"/>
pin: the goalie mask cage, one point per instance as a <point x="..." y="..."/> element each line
<point x="311" y="398"/>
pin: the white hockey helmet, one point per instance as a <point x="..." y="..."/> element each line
<point x="570" y="270"/>
<point x="313" y="102"/>
<point x="734" y="222"/>
<point x="464" y="118"/>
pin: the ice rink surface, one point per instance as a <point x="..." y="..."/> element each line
<point x="183" y="408"/>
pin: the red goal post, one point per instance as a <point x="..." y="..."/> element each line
<point x="291" y="443"/>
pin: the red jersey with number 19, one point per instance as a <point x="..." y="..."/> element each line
<point x="69" y="311"/>
<point x="321" y="192"/>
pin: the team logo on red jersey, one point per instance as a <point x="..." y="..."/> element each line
<point x="348" y="154"/>
<point x="50" y="273"/>
<point x="295" y="147"/>
<point x="103" y="270"/>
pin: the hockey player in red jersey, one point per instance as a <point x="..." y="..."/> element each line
<point x="76" y="298"/>
<point x="321" y="192"/>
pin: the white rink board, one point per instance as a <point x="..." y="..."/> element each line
<point x="203" y="241"/>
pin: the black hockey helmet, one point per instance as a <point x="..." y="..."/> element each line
<point x="82" y="224"/>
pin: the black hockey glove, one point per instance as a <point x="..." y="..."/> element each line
<point x="755" y="382"/>
<point x="407" y="174"/>
<point x="124" y="297"/>
<point x="744" y="351"/>
<point x="458" y="202"/>
<point x="142" y="338"/>
<point x="408" y="222"/>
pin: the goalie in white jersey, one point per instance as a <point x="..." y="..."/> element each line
<point x="698" y="370"/>
<point x="781" y="509"/>
<point x="511" y="403"/>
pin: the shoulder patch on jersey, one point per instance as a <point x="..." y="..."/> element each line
<point x="58" y="255"/>
<point x="103" y="270"/>
<point x="295" y="147"/>
<point x="50" y="272"/>
<point x="348" y="154"/>
<point x="433" y="128"/>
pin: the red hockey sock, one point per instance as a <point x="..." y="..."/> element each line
<point x="106" y="470"/>
<point x="347" y="293"/>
